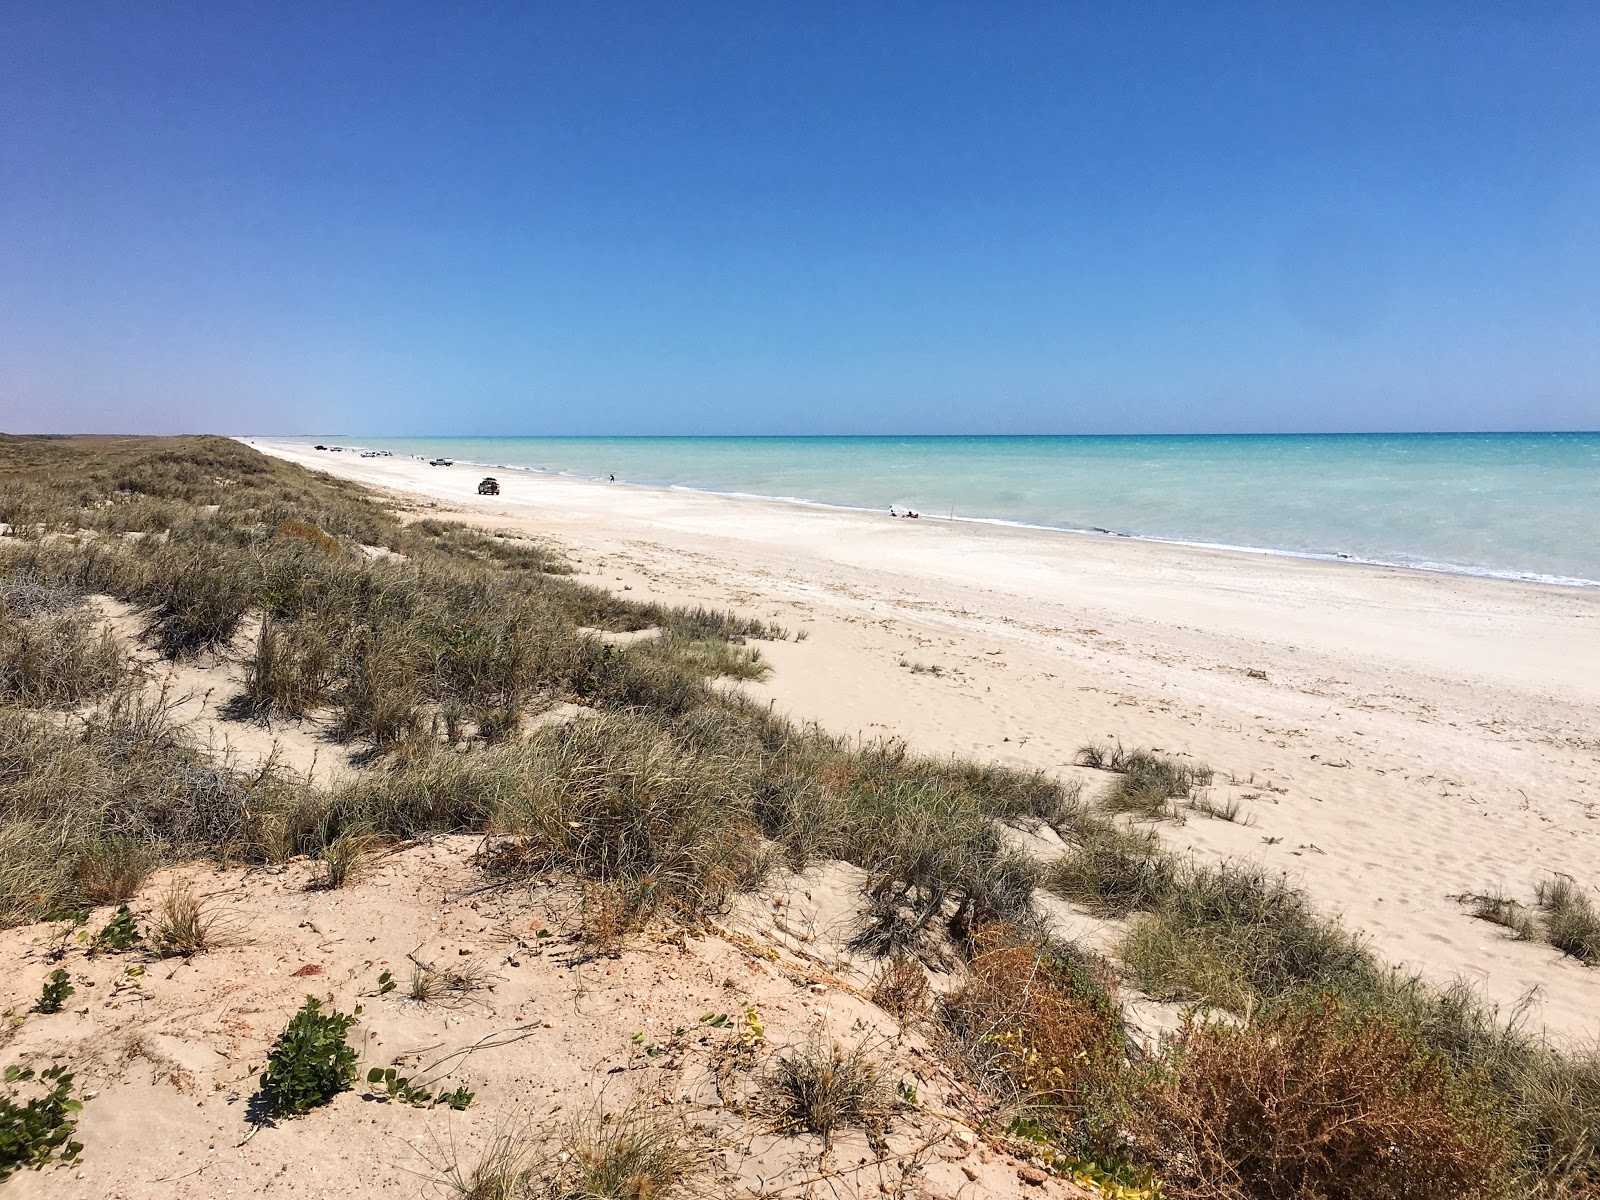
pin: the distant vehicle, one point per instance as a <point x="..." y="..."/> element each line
<point x="384" y="453"/>
<point x="369" y="454"/>
<point x="489" y="487"/>
<point x="440" y="462"/>
<point x="319" y="447"/>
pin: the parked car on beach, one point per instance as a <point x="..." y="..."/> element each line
<point x="489" y="487"/>
<point x="440" y="462"/>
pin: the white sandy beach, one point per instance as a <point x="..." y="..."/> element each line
<point x="1396" y="738"/>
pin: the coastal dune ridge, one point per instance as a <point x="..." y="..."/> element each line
<point x="771" y="842"/>
<point x="1394" y="739"/>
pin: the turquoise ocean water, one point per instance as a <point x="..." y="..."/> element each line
<point x="1524" y="506"/>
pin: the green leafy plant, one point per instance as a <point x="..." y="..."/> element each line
<point x="397" y="1087"/>
<point x="56" y="990"/>
<point x="121" y="932"/>
<point x="386" y="983"/>
<point x="311" y="1062"/>
<point x="32" y="1133"/>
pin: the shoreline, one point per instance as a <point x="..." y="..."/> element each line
<point x="1394" y="738"/>
<point x="1338" y="558"/>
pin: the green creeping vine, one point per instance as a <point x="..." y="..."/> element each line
<point x="31" y="1133"/>
<point x="120" y="934"/>
<point x="56" y="991"/>
<point x="398" y="1087"/>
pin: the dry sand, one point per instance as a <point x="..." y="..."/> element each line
<point x="1395" y="738"/>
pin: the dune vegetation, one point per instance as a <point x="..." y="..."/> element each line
<point x="1304" y="1068"/>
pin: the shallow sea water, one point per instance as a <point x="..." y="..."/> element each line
<point x="1523" y="506"/>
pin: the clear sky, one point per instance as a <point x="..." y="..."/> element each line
<point x="799" y="218"/>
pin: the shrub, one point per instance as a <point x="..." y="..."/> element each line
<point x="310" y="1063"/>
<point x="1313" y="1101"/>
<point x="1548" y="1098"/>
<point x="1039" y="1024"/>
<point x="33" y="1133"/>
<point x="397" y="1087"/>
<point x="902" y="988"/>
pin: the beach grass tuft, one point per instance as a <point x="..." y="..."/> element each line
<point x="1147" y="783"/>
<point x="1571" y="922"/>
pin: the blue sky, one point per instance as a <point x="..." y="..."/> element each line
<point x="809" y="218"/>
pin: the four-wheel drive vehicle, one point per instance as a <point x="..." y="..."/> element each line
<point x="489" y="487"/>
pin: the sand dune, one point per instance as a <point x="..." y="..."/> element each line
<point x="1394" y="738"/>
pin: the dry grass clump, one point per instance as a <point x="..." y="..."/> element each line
<point x="1232" y="935"/>
<point x="1502" y="910"/>
<point x="1570" y="921"/>
<point x="114" y="870"/>
<point x="821" y="1087"/>
<point x="196" y="598"/>
<point x="308" y="533"/>
<point x="345" y="857"/>
<point x="1148" y="782"/>
<point x="450" y="983"/>
<point x="90" y="806"/>
<point x="55" y="657"/>
<point x="1564" y="915"/>
<point x="1039" y="1024"/>
<point x="626" y="804"/>
<point x="1316" y="1101"/>
<point x="503" y="1171"/>
<point x="181" y="925"/>
<point x="291" y="676"/>
<point x="901" y="988"/>
<point x="1112" y="871"/>
<point x="937" y="861"/>
<point x="642" y="1153"/>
